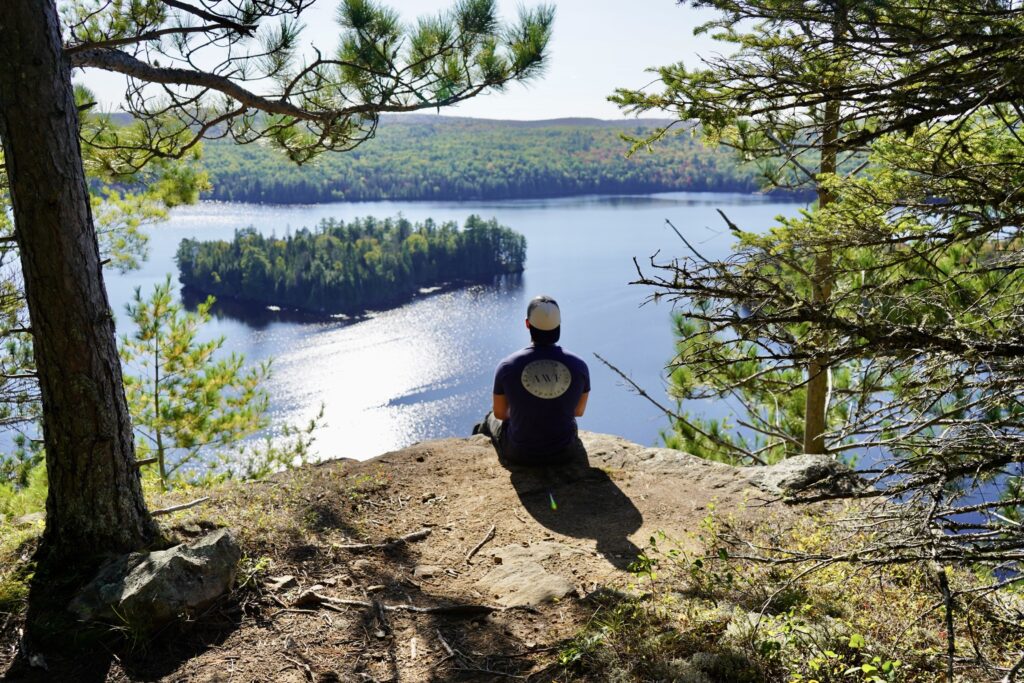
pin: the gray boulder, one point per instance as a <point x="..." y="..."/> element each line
<point x="143" y="591"/>
<point x="805" y="472"/>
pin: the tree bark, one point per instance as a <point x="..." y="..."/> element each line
<point x="819" y="373"/>
<point x="95" y="502"/>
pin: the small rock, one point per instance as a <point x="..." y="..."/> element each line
<point x="281" y="583"/>
<point x="426" y="571"/>
<point x="307" y="598"/>
<point x="498" y="559"/>
<point x="30" y="519"/>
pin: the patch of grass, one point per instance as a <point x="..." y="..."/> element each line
<point x="712" y="617"/>
<point x="16" y="501"/>
<point x="306" y="508"/>
<point x="17" y="546"/>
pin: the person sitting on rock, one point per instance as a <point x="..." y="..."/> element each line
<point x="538" y="394"/>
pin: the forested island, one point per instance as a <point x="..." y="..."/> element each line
<point x="341" y="267"/>
<point x="425" y="157"/>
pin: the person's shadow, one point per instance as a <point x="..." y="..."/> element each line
<point x="581" y="501"/>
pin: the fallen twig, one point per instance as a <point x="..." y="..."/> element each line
<point x="387" y="545"/>
<point x="292" y="610"/>
<point x="312" y="598"/>
<point x="183" y="506"/>
<point x="481" y="544"/>
<point x="491" y="672"/>
<point x="381" y="617"/>
<point x="301" y="666"/>
<point x="444" y="643"/>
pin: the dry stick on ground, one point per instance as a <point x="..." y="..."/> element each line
<point x="381" y="617"/>
<point x="183" y="506"/>
<point x="312" y="598"/>
<point x="481" y="544"/>
<point x="444" y="643"/>
<point x="387" y="545"/>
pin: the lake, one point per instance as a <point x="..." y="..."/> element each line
<point x="424" y="370"/>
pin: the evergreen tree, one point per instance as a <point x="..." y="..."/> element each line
<point x="809" y="86"/>
<point x="184" y="400"/>
<point x="329" y="102"/>
<point x="350" y="267"/>
<point x="923" y="316"/>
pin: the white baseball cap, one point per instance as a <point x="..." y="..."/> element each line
<point x="543" y="313"/>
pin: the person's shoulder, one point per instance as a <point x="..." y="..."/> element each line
<point x="513" y="358"/>
<point x="573" y="358"/>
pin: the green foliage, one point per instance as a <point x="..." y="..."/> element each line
<point x="24" y="495"/>
<point x="708" y="615"/>
<point x="186" y="402"/>
<point x="121" y="216"/>
<point x="307" y="105"/>
<point x="421" y="158"/>
<point x="350" y="267"/>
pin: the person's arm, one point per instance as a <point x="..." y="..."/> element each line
<point x="499" y="406"/>
<point x="581" y="407"/>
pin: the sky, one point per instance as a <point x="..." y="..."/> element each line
<point x="597" y="46"/>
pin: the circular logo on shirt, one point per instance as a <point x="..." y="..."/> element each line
<point x="546" y="378"/>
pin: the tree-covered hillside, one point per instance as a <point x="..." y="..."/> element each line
<point x="349" y="267"/>
<point x="434" y="158"/>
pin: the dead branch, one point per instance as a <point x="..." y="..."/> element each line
<point x="313" y="599"/>
<point x="183" y="506"/>
<point x="481" y="544"/>
<point x="387" y="545"/>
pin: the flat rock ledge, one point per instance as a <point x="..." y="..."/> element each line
<point x="519" y="578"/>
<point x="530" y="574"/>
<point x="799" y="473"/>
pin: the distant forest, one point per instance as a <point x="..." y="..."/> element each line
<point x="436" y="158"/>
<point x="350" y="267"/>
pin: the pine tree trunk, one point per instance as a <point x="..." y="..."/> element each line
<point x="95" y="501"/>
<point x="819" y="376"/>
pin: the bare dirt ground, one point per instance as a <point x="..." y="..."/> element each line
<point x="311" y="608"/>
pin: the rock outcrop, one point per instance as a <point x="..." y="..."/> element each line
<point x="803" y="473"/>
<point x="143" y="591"/>
<point x="520" y="579"/>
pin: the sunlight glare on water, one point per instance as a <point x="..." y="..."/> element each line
<point x="424" y="370"/>
<point x="385" y="380"/>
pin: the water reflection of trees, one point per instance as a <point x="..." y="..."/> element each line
<point x="259" y="316"/>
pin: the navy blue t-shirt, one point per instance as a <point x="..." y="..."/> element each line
<point x="543" y="385"/>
